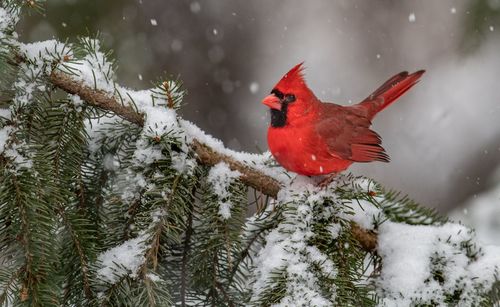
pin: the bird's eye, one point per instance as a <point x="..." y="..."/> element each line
<point x="289" y="98"/>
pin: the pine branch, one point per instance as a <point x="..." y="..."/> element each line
<point x="205" y="154"/>
<point x="81" y="254"/>
<point x="9" y="284"/>
<point x="185" y="255"/>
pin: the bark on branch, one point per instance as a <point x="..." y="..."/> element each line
<point x="205" y="154"/>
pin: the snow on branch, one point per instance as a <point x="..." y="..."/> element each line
<point x="221" y="177"/>
<point x="427" y="263"/>
<point x="124" y="259"/>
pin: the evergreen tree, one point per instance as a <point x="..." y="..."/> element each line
<point x="109" y="198"/>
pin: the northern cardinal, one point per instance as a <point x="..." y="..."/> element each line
<point x="310" y="137"/>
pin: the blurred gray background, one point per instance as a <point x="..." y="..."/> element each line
<point x="443" y="136"/>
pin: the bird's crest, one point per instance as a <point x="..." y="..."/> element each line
<point x="293" y="79"/>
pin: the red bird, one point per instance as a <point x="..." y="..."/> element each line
<point x="311" y="137"/>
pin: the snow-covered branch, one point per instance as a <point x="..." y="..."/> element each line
<point x="205" y="154"/>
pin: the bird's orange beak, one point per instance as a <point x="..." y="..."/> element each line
<point x="272" y="101"/>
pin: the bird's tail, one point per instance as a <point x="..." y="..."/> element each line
<point x="391" y="90"/>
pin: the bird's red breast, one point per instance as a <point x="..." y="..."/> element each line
<point x="310" y="137"/>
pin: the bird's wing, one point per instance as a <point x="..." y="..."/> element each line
<point x="348" y="136"/>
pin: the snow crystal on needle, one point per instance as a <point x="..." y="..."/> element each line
<point x="153" y="277"/>
<point x="41" y="49"/>
<point x="4" y="136"/>
<point x="182" y="164"/>
<point x="5" y="113"/>
<point x="159" y="120"/>
<point x="364" y="213"/>
<point x="77" y="102"/>
<point x="94" y="69"/>
<point x="122" y="260"/>
<point x="42" y="53"/>
<point x="97" y="132"/>
<point x="39" y="53"/>
<point x="7" y="20"/>
<point x="147" y="153"/>
<point x="221" y="177"/>
<point x="4" y="21"/>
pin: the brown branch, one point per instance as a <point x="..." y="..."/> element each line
<point x="205" y="154"/>
<point x="96" y="98"/>
<point x="367" y="238"/>
<point x="257" y="180"/>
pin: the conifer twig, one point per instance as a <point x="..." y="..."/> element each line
<point x="205" y="154"/>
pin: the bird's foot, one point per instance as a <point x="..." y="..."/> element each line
<point x="325" y="182"/>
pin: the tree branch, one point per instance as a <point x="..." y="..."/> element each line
<point x="205" y="154"/>
<point x="96" y="98"/>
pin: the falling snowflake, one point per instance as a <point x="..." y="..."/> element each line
<point x="254" y="87"/>
<point x="195" y="7"/>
